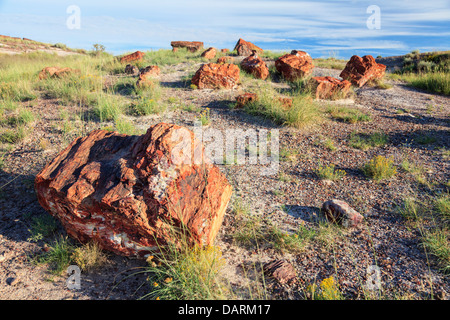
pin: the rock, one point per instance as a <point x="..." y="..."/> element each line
<point x="216" y="76"/>
<point x="209" y="53"/>
<point x="286" y="102"/>
<point x="191" y="46"/>
<point x="54" y="72"/>
<point x="12" y="281"/>
<point x="243" y="99"/>
<point x="296" y="65"/>
<point x="338" y="211"/>
<point x="128" y="193"/>
<point x="224" y="50"/>
<point x="136" y="56"/>
<point x="226" y="59"/>
<point x="245" y="48"/>
<point x="280" y="270"/>
<point x="174" y="49"/>
<point x="329" y="87"/>
<point x="2" y="258"/>
<point x="146" y="73"/>
<point x="361" y="70"/>
<point x="254" y="65"/>
<point x="131" y="69"/>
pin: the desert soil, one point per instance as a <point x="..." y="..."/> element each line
<point x="385" y="239"/>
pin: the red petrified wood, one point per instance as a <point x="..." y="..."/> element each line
<point x="209" y="53"/>
<point x="329" y="87"/>
<point x="146" y="73"/>
<point x="296" y="65"/>
<point x="338" y="211"/>
<point x="216" y="76"/>
<point x="243" y="99"/>
<point x="191" y="46"/>
<point x="360" y="70"/>
<point x="254" y="65"/>
<point x="136" y="56"/>
<point x="128" y="192"/>
<point x="246" y="48"/>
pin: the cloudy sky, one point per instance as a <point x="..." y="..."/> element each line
<point x="322" y="28"/>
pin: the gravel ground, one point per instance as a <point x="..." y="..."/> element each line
<point x="385" y="239"/>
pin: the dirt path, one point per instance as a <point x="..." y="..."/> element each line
<point x="289" y="199"/>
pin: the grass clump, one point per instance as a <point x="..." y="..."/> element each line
<point x="58" y="256"/>
<point x="329" y="172"/>
<point x="364" y="141"/>
<point x="189" y="273"/>
<point x="380" y="168"/>
<point x="439" y="245"/>
<point x="89" y="256"/>
<point x="349" y="115"/>
<point x="303" y="112"/>
<point x="42" y="226"/>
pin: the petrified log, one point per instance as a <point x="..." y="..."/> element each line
<point x="296" y="65"/>
<point x="361" y="70"/>
<point x="191" y="46"/>
<point x="135" y="56"/>
<point x="216" y="76"/>
<point x="256" y="66"/>
<point x="129" y="193"/>
<point x="246" y="48"/>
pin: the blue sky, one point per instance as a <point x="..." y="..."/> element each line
<point x="322" y="28"/>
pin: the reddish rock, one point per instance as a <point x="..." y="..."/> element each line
<point x="338" y="211"/>
<point x="254" y="65"/>
<point x="129" y="192"/>
<point x="329" y="87"/>
<point x="243" y="99"/>
<point x="360" y="70"/>
<point x="54" y="72"/>
<point x="147" y="73"/>
<point x="245" y="48"/>
<point x="174" y="49"/>
<point x="191" y="46"/>
<point x="281" y="270"/>
<point x="210" y="53"/>
<point x="286" y="102"/>
<point x="225" y="59"/>
<point x="136" y="56"/>
<point x="224" y="50"/>
<point x="216" y="76"/>
<point x="131" y="69"/>
<point x="296" y="65"/>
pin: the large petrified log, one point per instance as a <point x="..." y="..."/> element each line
<point x="296" y="65"/>
<point x="256" y="66"/>
<point x="191" y="46"/>
<point x="361" y="70"/>
<point x="135" y="56"/>
<point x="246" y="48"/>
<point x="129" y="193"/>
<point x="216" y="76"/>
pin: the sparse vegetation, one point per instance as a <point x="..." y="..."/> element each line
<point x="380" y="168"/>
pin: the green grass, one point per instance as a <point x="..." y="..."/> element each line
<point x="380" y="168"/>
<point x="109" y="107"/>
<point x="42" y="226"/>
<point x="303" y="113"/>
<point x="365" y="141"/>
<point x="438" y="243"/>
<point x="330" y="63"/>
<point x="329" y="172"/>
<point x="58" y="257"/>
<point x="349" y="115"/>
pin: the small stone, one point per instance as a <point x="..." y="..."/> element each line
<point x="280" y="270"/>
<point x="338" y="211"/>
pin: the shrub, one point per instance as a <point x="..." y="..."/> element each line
<point x="89" y="256"/>
<point x="380" y="168"/>
<point x="329" y="172"/>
